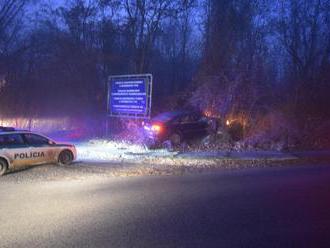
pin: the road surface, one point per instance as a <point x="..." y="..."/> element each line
<point x="269" y="207"/>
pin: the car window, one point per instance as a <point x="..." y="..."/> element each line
<point x="11" y="140"/>
<point x="185" y="119"/>
<point x="203" y="119"/>
<point x="34" y="139"/>
<point x="190" y="118"/>
<point x="165" y="117"/>
<point x="195" y="117"/>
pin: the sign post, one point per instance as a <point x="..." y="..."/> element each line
<point x="129" y="96"/>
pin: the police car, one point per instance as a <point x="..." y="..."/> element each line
<point x="22" y="148"/>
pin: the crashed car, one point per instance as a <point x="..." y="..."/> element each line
<point x="175" y="127"/>
<point x="23" y="148"/>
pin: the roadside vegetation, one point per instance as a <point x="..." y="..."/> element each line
<point x="262" y="70"/>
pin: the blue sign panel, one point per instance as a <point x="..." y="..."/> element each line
<point x="129" y="96"/>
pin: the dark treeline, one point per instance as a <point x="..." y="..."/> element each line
<point x="58" y="59"/>
<point x="228" y="57"/>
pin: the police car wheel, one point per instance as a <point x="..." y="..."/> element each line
<point x="65" y="158"/>
<point x="3" y="167"/>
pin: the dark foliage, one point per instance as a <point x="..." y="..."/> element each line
<point x="252" y="62"/>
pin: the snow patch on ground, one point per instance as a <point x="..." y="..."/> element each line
<point x="129" y="158"/>
<point x="115" y="151"/>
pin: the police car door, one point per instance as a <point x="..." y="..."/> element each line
<point x="40" y="149"/>
<point x="13" y="146"/>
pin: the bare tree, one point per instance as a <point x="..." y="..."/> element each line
<point x="9" y="11"/>
<point x="80" y="19"/>
<point x="142" y="25"/>
<point x="303" y="30"/>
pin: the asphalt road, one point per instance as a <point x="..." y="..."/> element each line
<point x="269" y="207"/>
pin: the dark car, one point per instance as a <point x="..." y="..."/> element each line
<point x="176" y="127"/>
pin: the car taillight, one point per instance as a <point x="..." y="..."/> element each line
<point x="156" y="128"/>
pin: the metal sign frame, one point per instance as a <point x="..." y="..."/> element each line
<point x="148" y="80"/>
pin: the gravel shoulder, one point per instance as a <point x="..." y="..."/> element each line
<point x="169" y="167"/>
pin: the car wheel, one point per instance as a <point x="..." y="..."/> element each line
<point x="149" y="144"/>
<point x="212" y="127"/>
<point x="65" y="158"/>
<point x="175" y="139"/>
<point x="167" y="145"/>
<point x="3" y="167"/>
